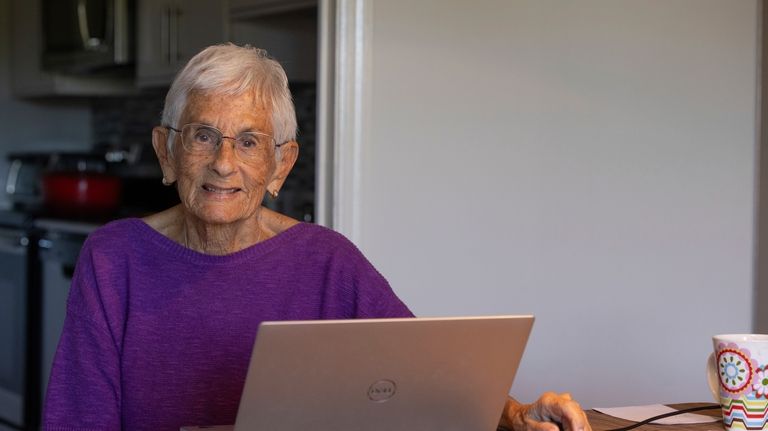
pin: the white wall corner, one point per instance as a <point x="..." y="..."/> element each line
<point x="351" y="112"/>
<point x="326" y="76"/>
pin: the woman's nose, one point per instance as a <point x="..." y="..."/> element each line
<point x="225" y="157"/>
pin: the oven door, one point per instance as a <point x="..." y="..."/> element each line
<point x="13" y="316"/>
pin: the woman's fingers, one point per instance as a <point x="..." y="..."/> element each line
<point x="560" y="409"/>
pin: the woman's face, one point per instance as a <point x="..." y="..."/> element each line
<point x="225" y="187"/>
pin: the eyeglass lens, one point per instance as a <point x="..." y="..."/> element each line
<point x="206" y="140"/>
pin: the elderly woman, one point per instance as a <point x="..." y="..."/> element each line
<point x="163" y="310"/>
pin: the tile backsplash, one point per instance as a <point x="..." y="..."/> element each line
<point x="126" y="120"/>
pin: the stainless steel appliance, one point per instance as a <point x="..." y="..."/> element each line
<point x="38" y="252"/>
<point x="23" y="185"/>
<point x="59" y="246"/>
<point x="13" y="254"/>
<point x="37" y="261"/>
<point x="87" y="35"/>
<point x="19" y="308"/>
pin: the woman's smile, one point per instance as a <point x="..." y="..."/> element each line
<point x="220" y="190"/>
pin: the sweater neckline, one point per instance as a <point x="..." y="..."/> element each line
<point x="143" y="230"/>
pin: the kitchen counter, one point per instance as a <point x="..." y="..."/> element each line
<point x="66" y="226"/>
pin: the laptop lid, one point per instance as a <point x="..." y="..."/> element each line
<point x="382" y="374"/>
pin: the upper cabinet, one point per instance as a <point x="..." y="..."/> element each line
<point x="287" y="29"/>
<point x="243" y="9"/>
<point x="166" y="34"/>
<point x="170" y="32"/>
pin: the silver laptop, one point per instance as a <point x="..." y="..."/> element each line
<point x="382" y="374"/>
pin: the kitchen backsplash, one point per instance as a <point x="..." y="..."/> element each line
<point x="126" y="120"/>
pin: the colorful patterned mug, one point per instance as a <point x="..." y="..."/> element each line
<point x="737" y="373"/>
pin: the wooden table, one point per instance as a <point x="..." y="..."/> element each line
<point x="603" y="422"/>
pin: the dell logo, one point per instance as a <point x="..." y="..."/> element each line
<point x="382" y="390"/>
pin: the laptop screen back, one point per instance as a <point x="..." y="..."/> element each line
<point x="382" y="374"/>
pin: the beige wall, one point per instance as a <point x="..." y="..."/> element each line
<point x="591" y="162"/>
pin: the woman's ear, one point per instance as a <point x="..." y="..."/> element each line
<point x="160" y="144"/>
<point x="286" y="158"/>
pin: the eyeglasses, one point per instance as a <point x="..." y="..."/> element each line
<point x="204" y="140"/>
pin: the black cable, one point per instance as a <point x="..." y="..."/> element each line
<point x="652" y="419"/>
<point x="666" y="415"/>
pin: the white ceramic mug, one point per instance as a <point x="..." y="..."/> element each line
<point x="737" y="373"/>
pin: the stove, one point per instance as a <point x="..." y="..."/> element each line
<point x="20" y="305"/>
<point x="37" y="261"/>
<point x="39" y="246"/>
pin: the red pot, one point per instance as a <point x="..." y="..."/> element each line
<point x="81" y="193"/>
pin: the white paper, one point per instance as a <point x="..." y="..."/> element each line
<point x="641" y="413"/>
<point x="209" y="428"/>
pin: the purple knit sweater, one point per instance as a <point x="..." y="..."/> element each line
<point x="158" y="336"/>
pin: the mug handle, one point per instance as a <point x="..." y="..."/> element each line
<point x="712" y="379"/>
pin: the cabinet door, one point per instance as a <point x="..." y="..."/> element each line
<point x="240" y="9"/>
<point x="171" y="32"/>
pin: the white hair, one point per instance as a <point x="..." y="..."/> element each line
<point x="233" y="70"/>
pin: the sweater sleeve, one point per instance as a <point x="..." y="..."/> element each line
<point x="375" y="297"/>
<point x="84" y="387"/>
<point x="389" y="305"/>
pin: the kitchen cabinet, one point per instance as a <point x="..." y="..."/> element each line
<point x="29" y="79"/>
<point x="170" y="32"/>
<point x="288" y="31"/>
<point x="241" y="9"/>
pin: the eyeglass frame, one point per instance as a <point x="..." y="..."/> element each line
<point x="221" y="138"/>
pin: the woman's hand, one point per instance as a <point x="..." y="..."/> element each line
<point x="551" y="412"/>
